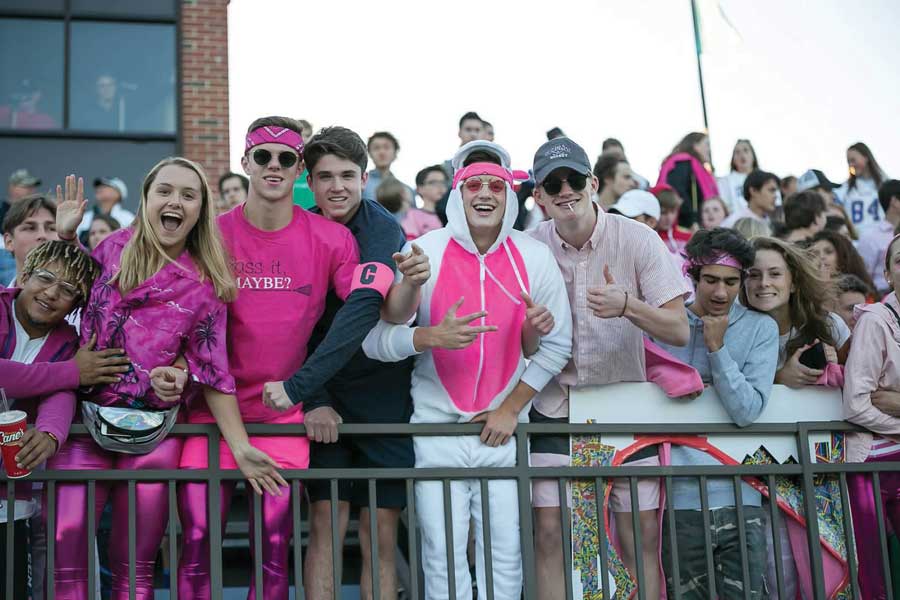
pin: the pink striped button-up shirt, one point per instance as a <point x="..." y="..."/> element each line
<point x="607" y="350"/>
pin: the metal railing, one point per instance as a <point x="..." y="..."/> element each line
<point x="805" y="470"/>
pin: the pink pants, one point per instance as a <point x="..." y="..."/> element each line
<point x="277" y="525"/>
<point x="865" y="523"/>
<point x="71" y="534"/>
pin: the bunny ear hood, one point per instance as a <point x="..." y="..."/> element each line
<point x="456" y="214"/>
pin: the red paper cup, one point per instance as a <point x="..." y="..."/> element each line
<point x="12" y="429"/>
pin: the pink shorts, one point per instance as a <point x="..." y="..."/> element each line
<point x="545" y="492"/>
<point x="647" y="489"/>
<point x="290" y="452"/>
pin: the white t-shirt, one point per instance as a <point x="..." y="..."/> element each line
<point x="741" y="213"/>
<point x="118" y="212"/>
<point x="26" y="351"/>
<point x="861" y="203"/>
<point x="731" y="190"/>
<point x="839" y="331"/>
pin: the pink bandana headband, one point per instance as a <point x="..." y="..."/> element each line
<point x="271" y="134"/>
<point x="723" y="259"/>
<point x="483" y="168"/>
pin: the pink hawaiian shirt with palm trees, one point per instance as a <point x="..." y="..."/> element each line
<point x="173" y="312"/>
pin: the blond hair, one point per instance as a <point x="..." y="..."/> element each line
<point x="144" y="255"/>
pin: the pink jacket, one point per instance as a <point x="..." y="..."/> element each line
<point x="45" y="389"/>
<point x="705" y="180"/>
<point x="873" y="363"/>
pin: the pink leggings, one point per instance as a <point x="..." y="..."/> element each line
<point x="865" y="523"/>
<point x="152" y="516"/>
<point x="277" y="528"/>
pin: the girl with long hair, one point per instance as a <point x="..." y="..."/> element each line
<point x="161" y="296"/>
<point x="785" y="283"/>
<point x="731" y="186"/>
<point x="837" y="257"/>
<point x="686" y="169"/>
<point x="872" y="400"/>
<point x="859" y="194"/>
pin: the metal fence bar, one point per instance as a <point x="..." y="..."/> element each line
<point x="775" y="524"/>
<point x="91" y="534"/>
<point x="707" y="538"/>
<point x="526" y="529"/>
<point x="809" y="506"/>
<point x="486" y="539"/>
<point x="10" y="539"/>
<point x="214" y="499"/>
<point x="599" y="494"/>
<point x="566" y="529"/>
<point x="850" y="537"/>
<point x="257" y="543"/>
<point x="882" y="536"/>
<point x="448" y="539"/>
<point x="742" y="535"/>
<point x="298" y="540"/>
<point x="373" y="541"/>
<point x="50" y="588"/>
<point x="638" y="541"/>
<point x="132" y="537"/>
<point x="336" y="556"/>
<point x="413" y="542"/>
<point x="173" y="542"/>
<point x="673" y="540"/>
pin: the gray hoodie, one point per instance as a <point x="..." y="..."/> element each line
<point x="742" y="373"/>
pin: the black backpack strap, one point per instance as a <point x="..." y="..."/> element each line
<point x="894" y="312"/>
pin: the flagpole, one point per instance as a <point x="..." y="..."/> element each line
<point x="698" y="50"/>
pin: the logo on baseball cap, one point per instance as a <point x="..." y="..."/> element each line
<point x="558" y="153"/>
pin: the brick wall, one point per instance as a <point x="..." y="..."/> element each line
<point x="204" y="84"/>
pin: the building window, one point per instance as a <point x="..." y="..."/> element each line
<point x="117" y="8"/>
<point x="31" y="74"/>
<point x="122" y="77"/>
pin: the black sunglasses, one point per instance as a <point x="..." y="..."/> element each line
<point x="285" y="159"/>
<point x="553" y="185"/>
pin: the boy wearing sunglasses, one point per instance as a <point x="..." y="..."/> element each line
<point x="502" y="281"/>
<point x="285" y="261"/>
<point x="620" y="283"/>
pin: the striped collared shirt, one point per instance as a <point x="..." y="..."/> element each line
<point x="607" y="350"/>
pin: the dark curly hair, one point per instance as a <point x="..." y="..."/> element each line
<point x="708" y="244"/>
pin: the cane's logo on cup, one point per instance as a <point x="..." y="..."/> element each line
<point x="12" y="430"/>
<point x="11" y="438"/>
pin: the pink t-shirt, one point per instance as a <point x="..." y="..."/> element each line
<point x="283" y="277"/>
<point x="418" y="222"/>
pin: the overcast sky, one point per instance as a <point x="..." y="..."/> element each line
<point x="802" y="79"/>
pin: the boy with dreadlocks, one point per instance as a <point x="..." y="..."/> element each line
<point x="39" y="368"/>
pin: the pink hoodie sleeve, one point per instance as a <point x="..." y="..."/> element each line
<point x="55" y="413"/>
<point x="21" y="380"/>
<point x="862" y="374"/>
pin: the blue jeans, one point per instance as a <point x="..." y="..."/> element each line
<point x="726" y="553"/>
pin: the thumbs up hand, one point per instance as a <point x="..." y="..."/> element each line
<point x="537" y="316"/>
<point x="610" y="300"/>
<point x="414" y="266"/>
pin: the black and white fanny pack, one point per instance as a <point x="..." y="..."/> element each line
<point x="127" y="430"/>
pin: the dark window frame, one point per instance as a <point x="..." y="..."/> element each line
<point x="68" y="18"/>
